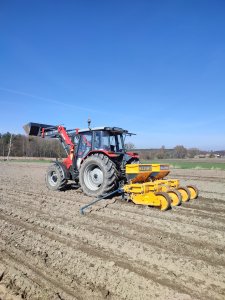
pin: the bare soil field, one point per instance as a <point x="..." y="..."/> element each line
<point x="117" y="250"/>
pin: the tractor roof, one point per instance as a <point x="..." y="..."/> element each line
<point x="111" y="129"/>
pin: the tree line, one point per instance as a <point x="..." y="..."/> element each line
<point x="23" y="146"/>
<point x="30" y="146"/>
<point x="177" y="152"/>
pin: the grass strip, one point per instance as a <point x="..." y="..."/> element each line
<point x="190" y="165"/>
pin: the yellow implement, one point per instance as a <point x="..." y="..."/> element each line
<point x="146" y="172"/>
<point x="148" y="193"/>
<point x="147" y="186"/>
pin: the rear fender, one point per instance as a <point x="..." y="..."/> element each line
<point x="133" y="154"/>
<point x="110" y="154"/>
<point x="117" y="158"/>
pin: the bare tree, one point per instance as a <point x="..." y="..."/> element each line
<point x="180" y="151"/>
<point x="192" y="152"/>
<point x="161" y="153"/>
<point x="129" y="146"/>
<point x="10" y="145"/>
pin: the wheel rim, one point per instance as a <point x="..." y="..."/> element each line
<point x="175" y="197"/>
<point x="93" y="177"/>
<point x="184" y="194"/>
<point x="193" y="191"/>
<point x="53" y="178"/>
<point x="164" y="203"/>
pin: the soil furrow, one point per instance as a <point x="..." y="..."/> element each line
<point x="147" y="225"/>
<point x="130" y="231"/>
<point x="187" y="209"/>
<point x="38" y="276"/>
<point x="122" y="251"/>
<point x="130" y="267"/>
<point x="115" y="258"/>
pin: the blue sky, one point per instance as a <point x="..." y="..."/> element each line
<point x="156" y="68"/>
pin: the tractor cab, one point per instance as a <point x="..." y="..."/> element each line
<point x="106" y="139"/>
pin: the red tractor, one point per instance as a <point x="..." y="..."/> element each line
<point x="96" y="157"/>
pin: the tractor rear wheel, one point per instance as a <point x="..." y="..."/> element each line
<point x="55" y="177"/>
<point x="98" y="175"/>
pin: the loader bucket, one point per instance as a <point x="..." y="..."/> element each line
<point x="35" y="128"/>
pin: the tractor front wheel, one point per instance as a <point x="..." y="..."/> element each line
<point x="98" y="175"/>
<point x="55" y="177"/>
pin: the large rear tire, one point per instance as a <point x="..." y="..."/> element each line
<point x="55" y="177"/>
<point x="98" y="175"/>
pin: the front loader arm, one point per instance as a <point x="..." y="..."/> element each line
<point x="59" y="132"/>
<point x="67" y="143"/>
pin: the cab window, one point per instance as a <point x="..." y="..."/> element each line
<point x="84" y="146"/>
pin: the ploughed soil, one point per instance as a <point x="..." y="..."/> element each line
<point x="117" y="250"/>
